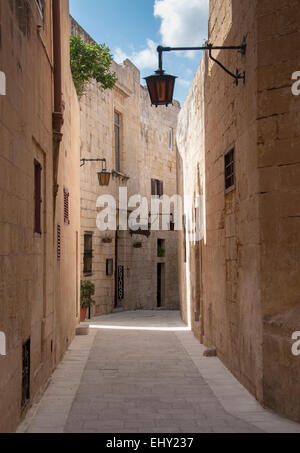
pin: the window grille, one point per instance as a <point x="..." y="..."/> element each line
<point x="229" y="170"/>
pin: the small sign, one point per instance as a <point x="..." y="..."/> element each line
<point x="2" y="344"/>
<point x="2" y="84"/>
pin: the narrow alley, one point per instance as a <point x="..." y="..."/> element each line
<point x="140" y="372"/>
<point x="149" y="217"/>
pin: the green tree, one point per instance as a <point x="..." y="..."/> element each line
<point x="90" y="61"/>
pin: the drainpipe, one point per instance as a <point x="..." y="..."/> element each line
<point x="57" y="116"/>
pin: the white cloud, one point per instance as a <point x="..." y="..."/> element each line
<point x="184" y="83"/>
<point x="144" y="59"/>
<point x="119" y="55"/>
<point x="184" y="23"/>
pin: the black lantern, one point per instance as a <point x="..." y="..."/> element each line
<point x="104" y="177"/>
<point x="161" y="85"/>
<point x="161" y="88"/>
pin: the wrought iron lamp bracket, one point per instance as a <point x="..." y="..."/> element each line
<point x="210" y="47"/>
<point x="83" y="161"/>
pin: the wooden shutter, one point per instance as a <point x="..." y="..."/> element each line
<point x="153" y="187"/>
<point x="37" y="197"/>
<point x="117" y="140"/>
<point x="58" y="242"/>
<point x="66" y="206"/>
<point x="160" y="188"/>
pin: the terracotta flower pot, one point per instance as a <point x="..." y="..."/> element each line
<point x="83" y="314"/>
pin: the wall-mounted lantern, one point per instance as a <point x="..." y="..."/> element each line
<point x="104" y="175"/>
<point x="161" y="85"/>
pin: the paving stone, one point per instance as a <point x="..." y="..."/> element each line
<point x="146" y="381"/>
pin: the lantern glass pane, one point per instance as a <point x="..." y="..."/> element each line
<point x="162" y="89"/>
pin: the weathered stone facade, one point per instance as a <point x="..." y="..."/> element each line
<point x="39" y="296"/>
<point x="242" y="281"/>
<point x="144" y="155"/>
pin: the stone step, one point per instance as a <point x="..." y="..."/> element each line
<point x="83" y="329"/>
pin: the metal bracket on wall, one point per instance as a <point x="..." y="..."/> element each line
<point x="83" y="161"/>
<point x="238" y="75"/>
<point x="210" y="47"/>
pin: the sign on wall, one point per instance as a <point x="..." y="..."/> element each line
<point x="2" y="84"/>
<point x="2" y="343"/>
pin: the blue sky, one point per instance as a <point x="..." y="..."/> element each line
<point x="134" y="28"/>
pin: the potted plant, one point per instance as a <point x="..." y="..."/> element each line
<point x="87" y="290"/>
<point x="107" y="240"/>
<point x="137" y="245"/>
<point x="161" y="252"/>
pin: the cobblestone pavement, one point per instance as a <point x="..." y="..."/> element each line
<point x="144" y="372"/>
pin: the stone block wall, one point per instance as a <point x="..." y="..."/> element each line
<point x="247" y="297"/>
<point x="144" y="156"/>
<point x="37" y="302"/>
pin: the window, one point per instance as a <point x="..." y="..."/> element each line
<point x="88" y="254"/>
<point x="229" y="170"/>
<point x="184" y="239"/>
<point x="37" y="197"/>
<point x="41" y="6"/>
<point x="161" y="248"/>
<point x="66" y="207"/>
<point x="170" y="139"/>
<point x="58" y="242"/>
<point x="157" y="187"/>
<point x="109" y="267"/>
<point x="117" y="140"/>
<point x="25" y="373"/>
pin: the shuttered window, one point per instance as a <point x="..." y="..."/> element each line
<point x="117" y="140"/>
<point x="58" y="242"/>
<point x="37" y="197"/>
<point x="157" y="187"/>
<point x="66" y="206"/>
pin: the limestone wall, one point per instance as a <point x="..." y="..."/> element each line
<point x="36" y="302"/>
<point x="144" y="155"/>
<point x="278" y="137"/>
<point x="245" y="301"/>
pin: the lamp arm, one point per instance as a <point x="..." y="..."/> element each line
<point x="242" y="49"/>
<point x="91" y="160"/>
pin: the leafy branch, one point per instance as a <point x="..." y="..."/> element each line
<point x="91" y="61"/>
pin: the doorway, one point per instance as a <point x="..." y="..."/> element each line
<point x="160" y="284"/>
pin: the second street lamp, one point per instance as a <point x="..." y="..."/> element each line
<point x="104" y="175"/>
<point x="161" y="85"/>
